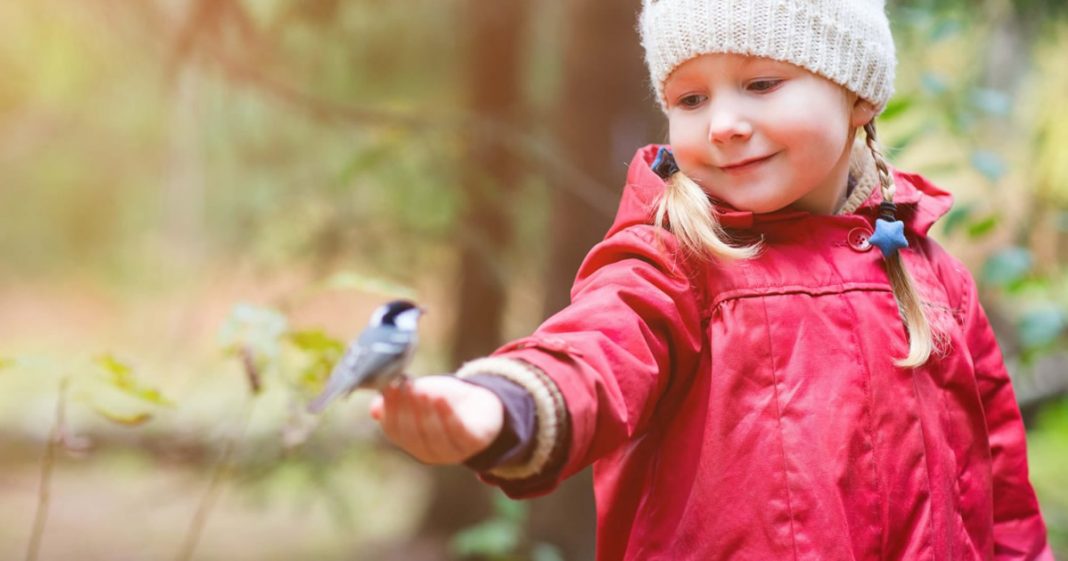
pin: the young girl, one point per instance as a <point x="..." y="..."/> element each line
<point x="766" y="358"/>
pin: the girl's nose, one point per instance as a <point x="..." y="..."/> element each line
<point x="727" y="124"/>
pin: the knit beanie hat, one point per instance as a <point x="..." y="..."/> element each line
<point x="845" y="41"/>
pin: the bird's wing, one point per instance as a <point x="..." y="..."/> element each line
<point x="372" y="355"/>
<point x="382" y="354"/>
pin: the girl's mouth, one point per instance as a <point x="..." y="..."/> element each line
<point x="746" y="166"/>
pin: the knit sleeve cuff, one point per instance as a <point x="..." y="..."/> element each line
<point x="551" y="413"/>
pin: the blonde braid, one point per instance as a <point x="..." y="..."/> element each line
<point x="921" y="336"/>
<point x="685" y="210"/>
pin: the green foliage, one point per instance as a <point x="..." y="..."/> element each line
<point x="253" y="327"/>
<point x="114" y="392"/>
<point x="353" y="280"/>
<point x="990" y="164"/>
<point x="502" y="537"/>
<point x="120" y="375"/>
<point x="497" y="538"/>
<point x="322" y="351"/>
<point x="955" y="104"/>
<point x="494" y="539"/>
<point x="1047" y="455"/>
<point x="1042" y="327"/>
<point x="983" y="226"/>
<point x="896" y="107"/>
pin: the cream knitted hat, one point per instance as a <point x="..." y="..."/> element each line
<point x="845" y="41"/>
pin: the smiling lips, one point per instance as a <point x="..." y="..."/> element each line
<point x="745" y="165"/>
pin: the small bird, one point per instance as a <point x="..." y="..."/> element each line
<point x="377" y="356"/>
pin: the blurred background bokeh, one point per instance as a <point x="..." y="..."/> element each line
<point x="201" y="200"/>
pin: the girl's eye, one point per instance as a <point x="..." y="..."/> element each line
<point x="761" y="86"/>
<point x="690" y="101"/>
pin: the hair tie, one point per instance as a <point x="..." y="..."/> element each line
<point x="664" y="164"/>
<point x="889" y="233"/>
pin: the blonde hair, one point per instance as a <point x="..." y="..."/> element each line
<point x="685" y="210"/>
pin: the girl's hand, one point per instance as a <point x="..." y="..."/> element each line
<point x="439" y="419"/>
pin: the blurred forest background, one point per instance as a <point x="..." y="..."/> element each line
<point x="203" y="199"/>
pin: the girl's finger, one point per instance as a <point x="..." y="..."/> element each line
<point x="409" y="436"/>
<point x="437" y="438"/>
<point x="392" y="405"/>
<point x="377" y="405"/>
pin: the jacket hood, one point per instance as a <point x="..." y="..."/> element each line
<point x="920" y="204"/>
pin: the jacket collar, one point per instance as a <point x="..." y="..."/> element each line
<point x="920" y="204"/>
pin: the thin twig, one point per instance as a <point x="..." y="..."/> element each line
<point x="252" y="371"/>
<point x="48" y="461"/>
<point x="221" y="471"/>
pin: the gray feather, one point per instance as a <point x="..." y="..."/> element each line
<point x="378" y="355"/>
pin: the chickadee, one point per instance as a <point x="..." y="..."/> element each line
<point x="377" y="356"/>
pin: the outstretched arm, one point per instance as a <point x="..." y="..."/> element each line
<point x="599" y="368"/>
<point x="594" y="371"/>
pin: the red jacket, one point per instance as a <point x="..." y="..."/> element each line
<point x="752" y="411"/>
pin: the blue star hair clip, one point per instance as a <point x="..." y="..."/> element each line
<point x="664" y="164"/>
<point x="889" y="233"/>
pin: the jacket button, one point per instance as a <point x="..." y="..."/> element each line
<point x="858" y="239"/>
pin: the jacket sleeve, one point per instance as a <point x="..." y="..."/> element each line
<point x="634" y="324"/>
<point x="1019" y="531"/>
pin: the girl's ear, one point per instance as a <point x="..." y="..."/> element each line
<point x="863" y="112"/>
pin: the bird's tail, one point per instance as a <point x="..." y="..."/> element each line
<point x="320" y="402"/>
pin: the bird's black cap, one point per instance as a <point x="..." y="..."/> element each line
<point x="397" y="307"/>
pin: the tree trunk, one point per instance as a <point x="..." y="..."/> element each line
<point x="490" y="171"/>
<point x="489" y="174"/>
<point x="605" y="111"/>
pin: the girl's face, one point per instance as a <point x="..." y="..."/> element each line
<point x="762" y="135"/>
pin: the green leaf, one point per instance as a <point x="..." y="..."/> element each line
<point x="896" y="107"/>
<point x="1042" y="326"/>
<point x="507" y="509"/>
<point x="546" y="552"/>
<point x="125" y="419"/>
<point x="351" y="280"/>
<point x="983" y="227"/>
<point x="944" y="29"/>
<point x="324" y="352"/>
<point x="898" y="145"/>
<point x="990" y="164"/>
<point x="933" y="84"/>
<point x="316" y="341"/>
<point x="495" y="538"/>
<point x="257" y="328"/>
<point x="1007" y="266"/>
<point x="955" y="218"/>
<point x="992" y="102"/>
<point x="120" y="376"/>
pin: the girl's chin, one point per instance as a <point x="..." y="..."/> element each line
<point x="756" y="205"/>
